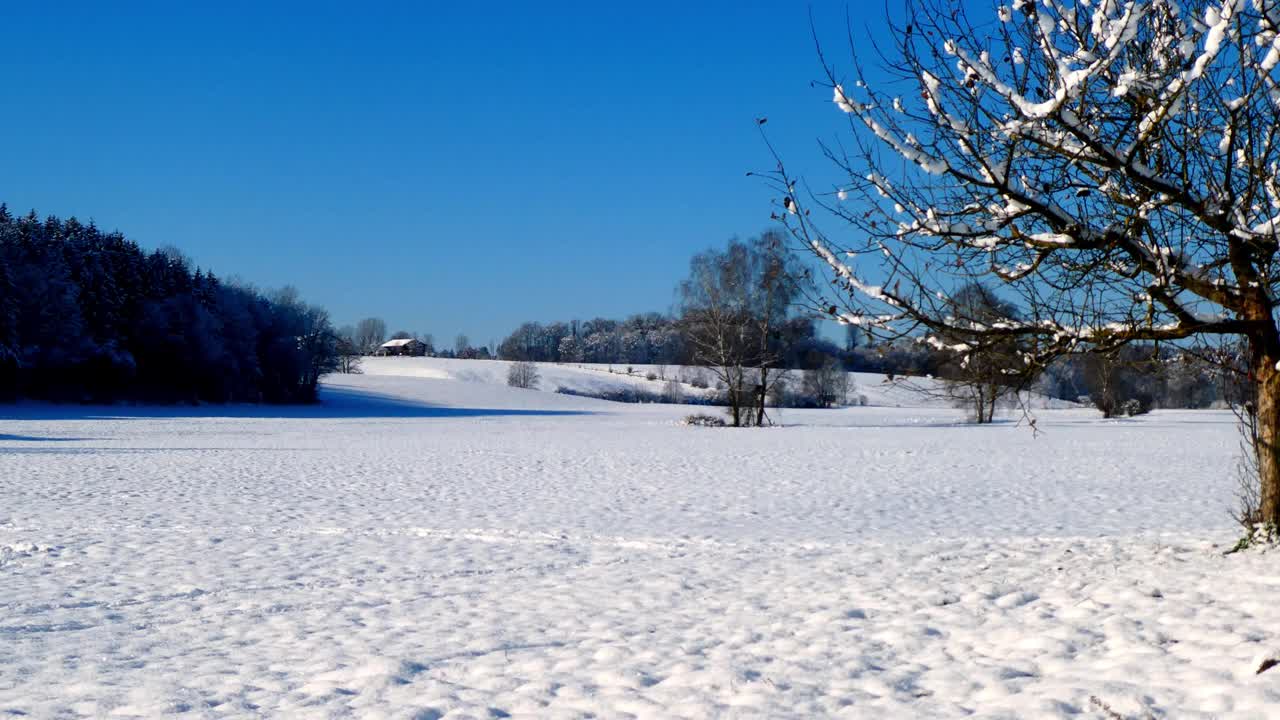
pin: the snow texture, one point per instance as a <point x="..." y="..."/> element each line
<point x="421" y="547"/>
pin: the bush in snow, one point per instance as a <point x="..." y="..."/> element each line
<point x="980" y="375"/>
<point x="348" y="351"/>
<point x="780" y="392"/>
<point x="523" y="375"/>
<point x="673" y="392"/>
<point x="704" y="421"/>
<point x="1116" y="378"/>
<point x="1134" y="406"/>
<point x="639" y="395"/>
<point x="1258" y="530"/>
<point x="826" y="385"/>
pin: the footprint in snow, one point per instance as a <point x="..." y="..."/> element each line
<point x="1015" y="599"/>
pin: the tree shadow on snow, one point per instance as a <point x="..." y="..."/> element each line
<point x="335" y="403"/>
<point x="35" y="438"/>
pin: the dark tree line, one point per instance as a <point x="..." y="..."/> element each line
<point x="657" y="339"/>
<point x="88" y="316"/>
<point x="644" y="339"/>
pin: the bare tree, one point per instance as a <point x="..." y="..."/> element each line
<point x="1115" y="166"/>
<point x="732" y="303"/>
<point x="462" y="346"/>
<point x="523" y="374"/>
<point x="348" y="350"/>
<point x="673" y="392"/>
<point x="979" y="377"/>
<point x="1120" y="378"/>
<point x="827" y="384"/>
<point x="370" y="333"/>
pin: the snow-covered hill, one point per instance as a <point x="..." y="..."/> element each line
<point x="596" y="380"/>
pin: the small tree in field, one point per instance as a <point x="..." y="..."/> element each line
<point x="827" y="384"/>
<point x="977" y="378"/>
<point x="1121" y="379"/>
<point x="732" y="305"/>
<point x="348" y="350"/>
<point x="523" y="374"/>
<point x="1113" y="166"/>
<point x="369" y="334"/>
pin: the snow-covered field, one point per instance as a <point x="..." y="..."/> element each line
<point x="596" y="379"/>
<point x="424" y="547"/>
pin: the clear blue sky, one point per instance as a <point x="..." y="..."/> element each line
<point x="451" y="167"/>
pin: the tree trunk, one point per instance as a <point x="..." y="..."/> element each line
<point x="735" y="395"/>
<point x="760" y="395"/>
<point x="1267" y="378"/>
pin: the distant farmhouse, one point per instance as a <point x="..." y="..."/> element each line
<point x="402" y="346"/>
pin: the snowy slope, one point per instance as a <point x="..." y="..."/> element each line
<point x="875" y="390"/>
<point x="427" y="548"/>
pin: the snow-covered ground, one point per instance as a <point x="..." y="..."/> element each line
<point x="421" y="547"/>
<point x="596" y="379"/>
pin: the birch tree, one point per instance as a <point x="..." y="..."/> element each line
<point x="732" y="304"/>
<point x="1113" y="166"/>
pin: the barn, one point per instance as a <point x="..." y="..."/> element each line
<point x="402" y="346"/>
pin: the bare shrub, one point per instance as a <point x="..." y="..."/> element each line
<point x="1134" y="406"/>
<point x="673" y="392"/>
<point x="1249" y="513"/>
<point x="348" y="349"/>
<point x="1120" y="381"/>
<point x="705" y="421"/>
<point x="523" y="374"/>
<point x="977" y="374"/>
<point x="780" y="392"/>
<point x="827" y="385"/>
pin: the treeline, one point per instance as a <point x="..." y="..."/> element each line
<point x="743" y="318"/>
<point x="1144" y="376"/>
<point x="646" y="339"/>
<point x="88" y="316"/>
<point x="366" y="338"/>
<point x="657" y="339"/>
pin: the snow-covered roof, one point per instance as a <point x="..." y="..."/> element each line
<point x="399" y="342"/>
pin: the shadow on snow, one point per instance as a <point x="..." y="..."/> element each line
<point x="335" y="403"/>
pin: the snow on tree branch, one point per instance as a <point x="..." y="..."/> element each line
<point x="1113" y="165"/>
